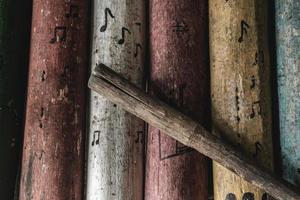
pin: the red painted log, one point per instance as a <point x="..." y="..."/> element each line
<point x="180" y="76"/>
<point x="53" y="152"/>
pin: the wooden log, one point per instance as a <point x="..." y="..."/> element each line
<point x="116" y="138"/>
<point x="185" y="130"/>
<point x="53" y="152"/>
<point x="14" y="49"/>
<point x="180" y="75"/>
<point x="288" y="74"/>
<point x="240" y="90"/>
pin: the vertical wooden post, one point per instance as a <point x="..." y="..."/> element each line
<point x="116" y="138"/>
<point x="53" y="152"/>
<point x="240" y="89"/>
<point x="14" y="46"/>
<point x="288" y="74"/>
<point x="180" y="76"/>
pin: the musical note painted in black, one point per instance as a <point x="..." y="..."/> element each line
<point x="107" y="11"/>
<point x="259" y="57"/>
<point x="255" y="106"/>
<point x="230" y="196"/>
<point x="258" y="148"/>
<point x="248" y="196"/>
<point x="180" y="27"/>
<point x="139" y="137"/>
<point x="137" y="47"/>
<point x="139" y="25"/>
<point x="122" y="40"/>
<point x="59" y="35"/>
<point x="96" y="141"/>
<point x="73" y="12"/>
<point x="244" y="27"/>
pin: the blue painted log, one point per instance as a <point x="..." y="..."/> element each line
<point x="288" y="71"/>
<point x="14" y="47"/>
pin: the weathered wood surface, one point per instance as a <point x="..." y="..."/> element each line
<point x="179" y="74"/>
<point x="240" y="90"/>
<point x="14" y="47"/>
<point x="185" y="130"/>
<point x="116" y="138"/>
<point x="288" y="74"/>
<point x="53" y="152"/>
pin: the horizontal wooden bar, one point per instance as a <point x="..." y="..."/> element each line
<point x="187" y="131"/>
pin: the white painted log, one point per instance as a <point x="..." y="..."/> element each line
<point x="116" y="146"/>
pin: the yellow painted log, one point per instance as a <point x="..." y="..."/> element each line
<point x="240" y="88"/>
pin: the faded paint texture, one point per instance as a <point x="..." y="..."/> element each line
<point x="53" y="152"/>
<point x="288" y="75"/>
<point x="116" y="138"/>
<point x="240" y="89"/>
<point x="179" y="76"/>
<point x="14" y="50"/>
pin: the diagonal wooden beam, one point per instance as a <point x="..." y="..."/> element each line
<point x="187" y="131"/>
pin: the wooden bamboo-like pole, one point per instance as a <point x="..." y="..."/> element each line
<point x="14" y="47"/>
<point x="53" y="152"/>
<point x="288" y="74"/>
<point x="180" y="75"/>
<point x="116" y="138"/>
<point x="240" y="88"/>
<point x="185" y="130"/>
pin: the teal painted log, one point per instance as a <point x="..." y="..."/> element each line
<point x="288" y="71"/>
<point x="15" y="17"/>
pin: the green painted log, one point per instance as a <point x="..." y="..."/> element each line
<point x="15" y="17"/>
<point x="287" y="15"/>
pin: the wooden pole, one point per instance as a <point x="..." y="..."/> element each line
<point x="240" y="89"/>
<point x="116" y="138"/>
<point x="185" y="130"/>
<point x="288" y="74"/>
<point x="180" y="75"/>
<point x="14" y="47"/>
<point x="53" y="152"/>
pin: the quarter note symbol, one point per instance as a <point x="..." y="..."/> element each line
<point x="258" y="148"/>
<point x="137" y="47"/>
<point x="244" y="27"/>
<point x="73" y="12"/>
<point x="96" y="141"/>
<point x="107" y="12"/>
<point x="122" y="40"/>
<point x="60" y="33"/>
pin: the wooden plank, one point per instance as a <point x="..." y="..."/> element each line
<point x="240" y="89"/>
<point x="180" y="75"/>
<point x="116" y="138"/>
<point x="288" y="74"/>
<point x="53" y="152"/>
<point x="185" y="130"/>
<point x="14" y="46"/>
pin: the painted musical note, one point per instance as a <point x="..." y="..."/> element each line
<point x="73" y="12"/>
<point x="137" y="47"/>
<point x="96" y="141"/>
<point x="122" y="40"/>
<point x="139" y="25"/>
<point x="60" y="34"/>
<point x="255" y="106"/>
<point x="258" y="148"/>
<point x="230" y="196"/>
<point x="139" y="137"/>
<point x="259" y="57"/>
<point x="244" y="27"/>
<point x="107" y="12"/>
<point x="248" y="196"/>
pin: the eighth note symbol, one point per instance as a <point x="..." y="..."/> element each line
<point x="107" y="11"/>
<point x="137" y="46"/>
<point x="244" y="27"/>
<point x="121" y="41"/>
<point x="94" y="138"/>
<point x="60" y="33"/>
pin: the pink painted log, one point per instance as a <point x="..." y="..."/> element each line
<point x="53" y="152"/>
<point x="180" y="76"/>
